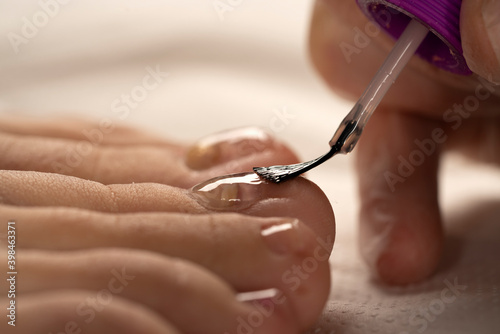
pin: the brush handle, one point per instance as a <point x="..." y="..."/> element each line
<point x="397" y="59"/>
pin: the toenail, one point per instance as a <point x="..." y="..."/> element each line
<point x="230" y="192"/>
<point x="285" y="237"/>
<point x="258" y="295"/>
<point x="225" y="146"/>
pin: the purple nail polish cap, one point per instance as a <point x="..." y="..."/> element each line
<point x="443" y="47"/>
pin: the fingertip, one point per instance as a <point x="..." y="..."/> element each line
<point x="401" y="245"/>
<point x="410" y="256"/>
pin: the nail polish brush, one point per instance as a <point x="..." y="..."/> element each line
<point x="415" y="18"/>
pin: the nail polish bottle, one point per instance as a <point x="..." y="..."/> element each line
<point x="443" y="46"/>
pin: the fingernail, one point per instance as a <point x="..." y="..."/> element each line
<point x="230" y="192"/>
<point x="285" y="237"/>
<point x="225" y="146"/>
<point x="377" y="222"/>
<point x="491" y="18"/>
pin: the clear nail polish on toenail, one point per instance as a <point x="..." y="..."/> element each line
<point x="266" y="301"/>
<point x="230" y="192"/>
<point x="258" y="295"/>
<point x="284" y="237"/>
<point x="220" y="147"/>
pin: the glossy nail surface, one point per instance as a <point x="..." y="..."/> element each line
<point x="225" y="146"/>
<point x="231" y="192"/>
<point x="258" y="295"/>
<point x="284" y="237"/>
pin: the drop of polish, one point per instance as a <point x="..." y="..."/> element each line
<point x="229" y="192"/>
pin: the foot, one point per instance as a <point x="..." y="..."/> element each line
<point x="111" y="235"/>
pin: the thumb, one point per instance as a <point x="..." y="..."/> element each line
<point x="480" y="31"/>
<point x="401" y="236"/>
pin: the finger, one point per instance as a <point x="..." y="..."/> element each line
<point x="177" y="290"/>
<point x="347" y="50"/>
<point x="347" y="59"/>
<point x="480" y="32"/>
<point x="332" y="25"/>
<point x="127" y="164"/>
<point x="477" y="138"/>
<point x="66" y="311"/>
<point x="103" y="132"/>
<point x="400" y="225"/>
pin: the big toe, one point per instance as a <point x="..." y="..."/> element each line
<point x="303" y="274"/>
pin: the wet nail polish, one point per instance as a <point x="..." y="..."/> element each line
<point x="225" y="146"/>
<point x="230" y="192"/>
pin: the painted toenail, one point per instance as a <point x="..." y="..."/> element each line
<point x="225" y="146"/>
<point x="258" y="295"/>
<point x="284" y="237"/>
<point x="230" y="192"/>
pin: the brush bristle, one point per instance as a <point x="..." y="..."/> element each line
<point x="274" y="174"/>
<point x="282" y="173"/>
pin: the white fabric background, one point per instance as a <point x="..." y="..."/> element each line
<point x="242" y="71"/>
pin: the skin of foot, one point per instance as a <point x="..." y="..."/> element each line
<point x="116" y="230"/>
